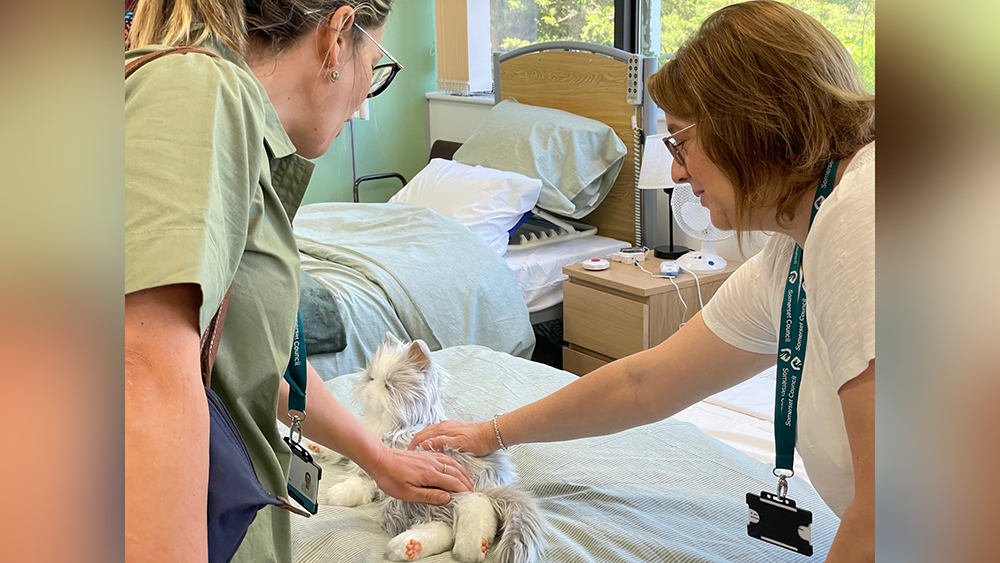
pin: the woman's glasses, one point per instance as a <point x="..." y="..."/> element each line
<point x="674" y="147"/>
<point x="382" y="74"/>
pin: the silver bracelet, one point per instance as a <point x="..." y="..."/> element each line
<point x="496" y="429"/>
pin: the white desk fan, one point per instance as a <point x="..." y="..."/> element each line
<point x="696" y="221"/>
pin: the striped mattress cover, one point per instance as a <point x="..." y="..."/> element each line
<point x="662" y="492"/>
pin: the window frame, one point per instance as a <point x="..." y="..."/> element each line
<point x="627" y="21"/>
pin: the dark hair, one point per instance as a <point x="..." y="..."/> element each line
<point x="244" y="25"/>
<point x="775" y="95"/>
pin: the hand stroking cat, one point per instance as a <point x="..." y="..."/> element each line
<point x="400" y="393"/>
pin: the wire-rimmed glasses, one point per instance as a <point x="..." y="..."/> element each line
<point x="674" y="147"/>
<point x="382" y="74"/>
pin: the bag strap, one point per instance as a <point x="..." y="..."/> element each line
<point x="210" y="339"/>
<point x="138" y="63"/>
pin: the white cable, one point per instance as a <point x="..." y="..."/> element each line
<point x="698" y="283"/>
<point x="679" y="296"/>
<point x="650" y="273"/>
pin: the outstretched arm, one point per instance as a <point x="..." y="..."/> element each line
<point x="409" y="476"/>
<point x="643" y="388"/>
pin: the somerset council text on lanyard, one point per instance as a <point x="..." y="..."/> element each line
<point x="792" y="347"/>
<point x="775" y="518"/>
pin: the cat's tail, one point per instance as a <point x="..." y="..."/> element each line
<point x="522" y="525"/>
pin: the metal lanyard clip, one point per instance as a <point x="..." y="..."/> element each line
<point x="783" y="481"/>
<point x="295" y="430"/>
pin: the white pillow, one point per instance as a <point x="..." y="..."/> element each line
<point x="576" y="158"/>
<point x="489" y="202"/>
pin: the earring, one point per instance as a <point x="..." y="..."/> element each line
<point x="335" y="76"/>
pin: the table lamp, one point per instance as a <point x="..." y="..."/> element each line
<point x="654" y="174"/>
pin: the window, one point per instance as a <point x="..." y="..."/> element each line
<point x="851" y="21"/>
<point x="665" y="25"/>
<point x="516" y="23"/>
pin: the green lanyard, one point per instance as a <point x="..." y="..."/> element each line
<point x="295" y="375"/>
<point x="792" y="348"/>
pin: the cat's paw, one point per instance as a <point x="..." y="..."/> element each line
<point x="408" y="551"/>
<point x="353" y="491"/>
<point x="475" y="525"/>
<point x="423" y="540"/>
<point x="325" y="456"/>
<point x="469" y="549"/>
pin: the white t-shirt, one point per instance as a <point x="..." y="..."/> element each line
<point x="838" y="275"/>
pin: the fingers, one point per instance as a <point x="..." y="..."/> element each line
<point x="455" y="469"/>
<point x="439" y="443"/>
<point x="437" y="470"/>
<point x="432" y="496"/>
<point x="448" y="482"/>
<point x="426" y="434"/>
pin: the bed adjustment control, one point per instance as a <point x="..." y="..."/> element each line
<point x="634" y="83"/>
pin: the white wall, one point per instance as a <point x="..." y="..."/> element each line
<point x="454" y="118"/>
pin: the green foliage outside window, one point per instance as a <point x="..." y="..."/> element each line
<point x="516" y="23"/>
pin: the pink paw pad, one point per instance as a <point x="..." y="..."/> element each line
<point x="412" y="548"/>
<point x="485" y="545"/>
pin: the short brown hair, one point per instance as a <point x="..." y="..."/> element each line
<point x="775" y="95"/>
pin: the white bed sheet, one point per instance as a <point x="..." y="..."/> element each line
<point x="746" y="433"/>
<point x="539" y="270"/>
<point x="742" y="417"/>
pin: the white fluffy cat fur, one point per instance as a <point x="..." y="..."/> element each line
<point x="400" y="394"/>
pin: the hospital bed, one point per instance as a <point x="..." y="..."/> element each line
<point x="395" y="268"/>
<point x="661" y="492"/>
<point x="538" y="268"/>
<point x="408" y="271"/>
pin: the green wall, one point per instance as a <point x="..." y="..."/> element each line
<point x="395" y="138"/>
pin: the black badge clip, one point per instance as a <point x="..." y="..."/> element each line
<point x="303" y="477"/>
<point x="776" y="520"/>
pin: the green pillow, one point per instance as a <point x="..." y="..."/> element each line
<point x="322" y="326"/>
<point x="576" y="158"/>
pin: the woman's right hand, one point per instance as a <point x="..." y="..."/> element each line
<point x="420" y="477"/>
<point x="476" y="438"/>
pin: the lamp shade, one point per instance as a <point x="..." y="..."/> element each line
<point x="654" y="173"/>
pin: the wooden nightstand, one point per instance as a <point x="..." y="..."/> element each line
<point x="616" y="312"/>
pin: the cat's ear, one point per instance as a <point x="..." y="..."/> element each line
<point x="391" y="340"/>
<point x="420" y="355"/>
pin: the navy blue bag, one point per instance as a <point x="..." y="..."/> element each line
<point x="235" y="494"/>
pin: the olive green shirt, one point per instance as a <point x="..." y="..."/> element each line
<point x="211" y="183"/>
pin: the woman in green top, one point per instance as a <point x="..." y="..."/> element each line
<point x="215" y="170"/>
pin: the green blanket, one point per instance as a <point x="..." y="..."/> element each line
<point x="395" y="266"/>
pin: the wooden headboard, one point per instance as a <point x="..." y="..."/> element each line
<point x="591" y="81"/>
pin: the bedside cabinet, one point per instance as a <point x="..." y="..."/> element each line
<point x="616" y="312"/>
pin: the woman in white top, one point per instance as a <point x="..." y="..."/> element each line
<point x="764" y="105"/>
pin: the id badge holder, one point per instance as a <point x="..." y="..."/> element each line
<point x="775" y="519"/>
<point x="303" y="473"/>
